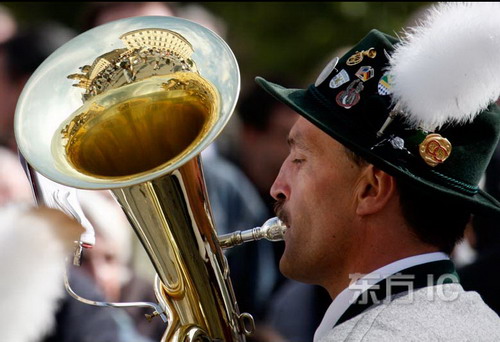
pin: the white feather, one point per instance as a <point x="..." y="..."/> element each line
<point x="32" y="265"/>
<point x="447" y="69"/>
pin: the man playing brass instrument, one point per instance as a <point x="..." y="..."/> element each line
<point x="382" y="178"/>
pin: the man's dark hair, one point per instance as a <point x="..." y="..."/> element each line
<point x="434" y="220"/>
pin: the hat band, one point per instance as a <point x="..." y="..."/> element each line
<point x="464" y="187"/>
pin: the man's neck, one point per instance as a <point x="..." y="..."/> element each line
<point x="374" y="257"/>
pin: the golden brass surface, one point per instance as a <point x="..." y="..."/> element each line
<point x="172" y="218"/>
<point x="358" y="56"/>
<point x="435" y="149"/>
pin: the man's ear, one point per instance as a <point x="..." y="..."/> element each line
<point x="375" y="189"/>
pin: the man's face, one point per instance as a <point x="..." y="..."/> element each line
<point x="315" y="190"/>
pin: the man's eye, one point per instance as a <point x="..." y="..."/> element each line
<point x="298" y="161"/>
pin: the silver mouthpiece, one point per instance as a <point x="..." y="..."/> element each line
<point x="272" y="230"/>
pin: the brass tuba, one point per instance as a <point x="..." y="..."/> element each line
<point x="151" y="93"/>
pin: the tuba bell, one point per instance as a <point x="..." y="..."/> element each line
<point x="151" y="93"/>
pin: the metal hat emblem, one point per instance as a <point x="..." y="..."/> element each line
<point x="350" y="96"/>
<point x="358" y="56"/>
<point x="339" y="79"/>
<point x="384" y="84"/>
<point x="434" y="149"/>
<point x="326" y="71"/>
<point x="365" y="73"/>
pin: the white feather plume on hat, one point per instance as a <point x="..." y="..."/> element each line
<point x="447" y="69"/>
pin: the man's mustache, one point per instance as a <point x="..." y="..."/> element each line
<point x="280" y="211"/>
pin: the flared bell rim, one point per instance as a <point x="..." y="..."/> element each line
<point x="40" y="111"/>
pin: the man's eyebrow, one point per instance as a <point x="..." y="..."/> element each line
<point x="297" y="143"/>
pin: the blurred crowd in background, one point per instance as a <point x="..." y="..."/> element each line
<point x="239" y="168"/>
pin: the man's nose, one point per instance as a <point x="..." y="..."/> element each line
<point x="280" y="190"/>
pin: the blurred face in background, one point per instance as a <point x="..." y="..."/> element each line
<point x="104" y="262"/>
<point x="108" y="262"/>
<point x="266" y="148"/>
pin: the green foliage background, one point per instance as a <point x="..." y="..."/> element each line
<point x="270" y="38"/>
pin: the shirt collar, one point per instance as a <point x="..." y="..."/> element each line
<point x="349" y="295"/>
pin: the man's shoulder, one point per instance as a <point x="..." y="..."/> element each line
<point x="442" y="312"/>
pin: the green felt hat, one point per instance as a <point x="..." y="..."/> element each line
<point x="352" y="100"/>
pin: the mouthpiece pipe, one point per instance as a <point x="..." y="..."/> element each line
<point x="272" y="230"/>
<point x="158" y="309"/>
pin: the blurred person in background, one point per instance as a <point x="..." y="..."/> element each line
<point x="109" y="264"/>
<point x="99" y="13"/>
<point x="262" y="138"/>
<point x="8" y="24"/>
<point x="19" y="58"/>
<point x="8" y="27"/>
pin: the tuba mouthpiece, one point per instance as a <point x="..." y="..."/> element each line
<point x="272" y="230"/>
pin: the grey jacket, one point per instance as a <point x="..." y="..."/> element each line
<point x="436" y="313"/>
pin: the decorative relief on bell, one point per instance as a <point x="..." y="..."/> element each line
<point x="148" y="52"/>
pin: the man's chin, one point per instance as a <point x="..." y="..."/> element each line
<point x="287" y="268"/>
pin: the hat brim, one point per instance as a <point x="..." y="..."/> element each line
<point x="332" y="123"/>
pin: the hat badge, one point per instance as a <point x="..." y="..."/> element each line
<point x="358" y="56"/>
<point x="435" y="149"/>
<point x="365" y="73"/>
<point x="350" y="96"/>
